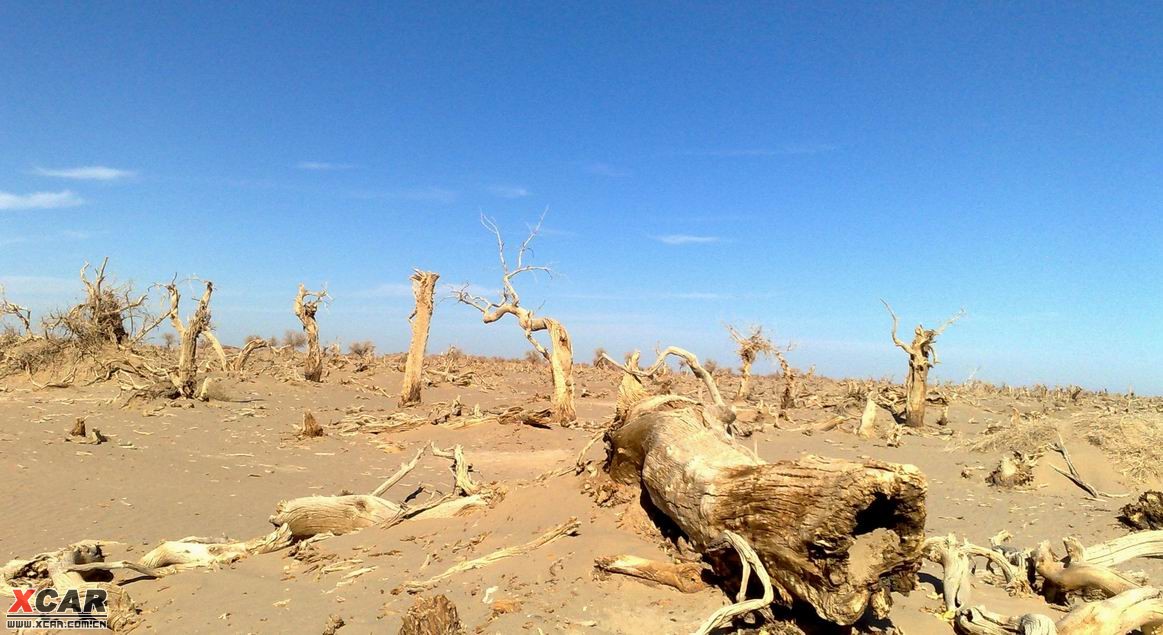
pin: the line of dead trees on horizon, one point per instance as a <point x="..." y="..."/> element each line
<point x="112" y="317"/>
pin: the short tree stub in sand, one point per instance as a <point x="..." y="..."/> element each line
<point x="188" y="333"/>
<point x="423" y="289"/>
<point x="922" y="357"/>
<point x="306" y="305"/>
<point x="751" y="347"/>
<point x="560" y="351"/>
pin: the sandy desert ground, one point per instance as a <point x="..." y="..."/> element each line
<point x="218" y="468"/>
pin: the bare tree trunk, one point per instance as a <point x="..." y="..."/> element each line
<point x="561" y="363"/>
<point x="916" y="387"/>
<point x="922" y="357"/>
<point x="423" y="289"/>
<point x="838" y="535"/>
<point x="305" y="310"/>
<point x="745" y="384"/>
<point x="184" y="378"/>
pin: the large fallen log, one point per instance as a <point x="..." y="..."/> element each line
<point x="838" y="535"/>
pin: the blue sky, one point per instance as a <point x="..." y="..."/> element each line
<point x="781" y="163"/>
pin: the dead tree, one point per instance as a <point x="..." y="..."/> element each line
<point x="103" y="308"/>
<point x="560" y="351"/>
<point x="184" y="378"/>
<point x="423" y="289"/>
<point x="19" y="312"/>
<point x="306" y="305"/>
<point x="922" y="357"/>
<point x="751" y="347"/>
<point x="787" y="400"/>
<point x="838" y="535"/>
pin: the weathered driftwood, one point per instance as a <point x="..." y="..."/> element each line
<point x="568" y="528"/>
<point x="434" y="615"/>
<point x="1140" y="608"/>
<point x="71" y="568"/>
<point x="832" y="533"/>
<point x="1076" y="574"/>
<point x="423" y="289"/>
<point x="194" y="553"/>
<point x="686" y="577"/>
<point x="312" y="515"/>
<point x="956" y="560"/>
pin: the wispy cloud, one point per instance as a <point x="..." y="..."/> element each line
<point x="40" y="200"/>
<point x="63" y="235"/>
<point x="686" y="239"/>
<point x="323" y="166"/>
<point x="86" y="173"/>
<point x="509" y="191"/>
<point x="605" y="169"/>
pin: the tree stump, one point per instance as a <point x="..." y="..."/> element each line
<point x="838" y="535"/>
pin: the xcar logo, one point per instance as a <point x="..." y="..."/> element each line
<point x="49" y="608"/>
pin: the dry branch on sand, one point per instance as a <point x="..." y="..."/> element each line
<point x="837" y="535"/>
<point x="313" y="515"/>
<point x="423" y="289"/>
<point x="922" y="357"/>
<point x="560" y="351"/>
<point x="686" y="577"/>
<point x="568" y="528"/>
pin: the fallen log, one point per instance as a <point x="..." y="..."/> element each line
<point x="837" y="535"/>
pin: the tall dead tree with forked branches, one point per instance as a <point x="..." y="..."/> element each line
<point x="423" y="289"/>
<point x="184" y="378"/>
<point x="751" y="347"/>
<point x="560" y="351"/>
<point x="922" y="357"/>
<point x="306" y="305"/>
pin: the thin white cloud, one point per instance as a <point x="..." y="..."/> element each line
<point x="605" y="169"/>
<point x="86" y="173"/>
<point x="509" y="191"/>
<point x="323" y="166"/>
<point x="40" y="200"/>
<point x="686" y="239"/>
